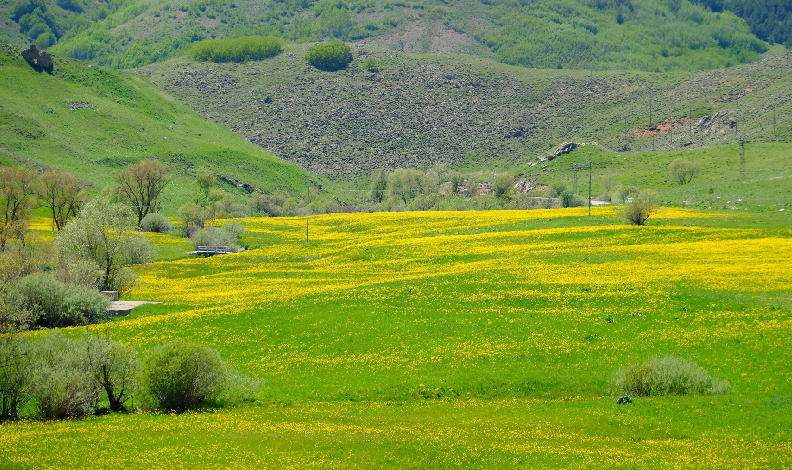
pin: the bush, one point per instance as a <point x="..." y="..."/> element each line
<point x="670" y="375"/>
<point x="372" y="65"/>
<point x="177" y="376"/>
<point x="329" y="56"/>
<point x="569" y="199"/>
<point x="113" y="366"/>
<point x="236" y="50"/>
<point x="62" y="385"/>
<point x="156" y="223"/>
<point x="639" y="210"/>
<point x="52" y="303"/>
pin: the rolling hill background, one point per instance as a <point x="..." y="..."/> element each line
<point x="643" y="35"/>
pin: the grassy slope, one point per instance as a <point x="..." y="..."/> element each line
<point x="464" y="340"/>
<point x="131" y="120"/>
<point x="766" y="186"/>
<point x="472" y="113"/>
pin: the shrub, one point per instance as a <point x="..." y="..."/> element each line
<point x="16" y="370"/>
<point x="156" y="223"/>
<point x="236" y="50"/>
<point x="372" y="65"/>
<point x="52" y="303"/>
<point x="329" y="56"/>
<point x="669" y="375"/>
<point x="62" y="385"/>
<point x="639" y="210"/>
<point x="177" y="376"/>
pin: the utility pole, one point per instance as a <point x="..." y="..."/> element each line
<point x="307" y="211"/>
<point x="589" y="188"/>
<point x="774" y="123"/>
<point x="742" y="158"/>
<point x="574" y="179"/>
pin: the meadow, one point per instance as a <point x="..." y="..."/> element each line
<point x="461" y="340"/>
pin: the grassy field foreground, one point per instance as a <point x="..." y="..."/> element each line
<point x="464" y="339"/>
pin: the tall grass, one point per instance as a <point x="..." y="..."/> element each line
<point x="236" y="50"/>
<point x="669" y="375"/>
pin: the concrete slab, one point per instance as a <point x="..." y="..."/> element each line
<point x="123" y="307"/>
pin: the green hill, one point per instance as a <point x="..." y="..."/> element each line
<point x="472" y="113"/>
<point x="93" y="121"/>
<point x="580" y="34"/>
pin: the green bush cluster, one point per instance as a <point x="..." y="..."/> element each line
<point x="670" y="375"/>
<point x="227" y="236"/>
<point x="55" y="377"/>
<point x="329" y="56"/>
<point x="236" y="50"/>
<point x="51" y="303"/>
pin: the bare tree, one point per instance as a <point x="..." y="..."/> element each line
<point x="63" y="193"/>
<point x="16" y="195"/>
<point x="140" y="186"/>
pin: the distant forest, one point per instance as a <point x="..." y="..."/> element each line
<point x="770" y="20"/>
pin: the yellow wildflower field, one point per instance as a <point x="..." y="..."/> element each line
<point x="461" y="340"/>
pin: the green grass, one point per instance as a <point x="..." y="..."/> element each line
<point x="765" y="187"/>
<point x="464" y="340"/>
<point x="129" y="120"/>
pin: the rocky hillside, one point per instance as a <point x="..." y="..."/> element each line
<point x="472" y="113"/>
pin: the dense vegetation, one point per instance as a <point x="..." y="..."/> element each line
<point x="637" y="34"/>
<point x="769" y="20"/>
<point x="236" y="50"/>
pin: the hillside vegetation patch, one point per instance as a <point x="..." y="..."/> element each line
<point x="329" y="56"/>
<point x="236" y="50"/>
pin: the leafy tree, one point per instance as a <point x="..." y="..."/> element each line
<point x="329" y="56"/>
<point x="379" y="186"/>
<point x="105" y="232"/>
<point x="16" y="199"/>
<point x="140" y="186"/>
<point x="16" y="372"/>
<point x="407" y="184"/>
<point x="113" y="365"/>
<point x="683" y="171"/>
<point x="63" y="193"/>
<point x="503" y="187"/>
<point x="639" y="210"/>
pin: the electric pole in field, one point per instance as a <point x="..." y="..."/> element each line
<point x="307" y="211"/>
<point x="589" y="188"/>
<point x="574" y="179"/>
<point x="742" y="158"/>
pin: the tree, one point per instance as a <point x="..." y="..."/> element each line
<point x="113" y="366"/>
<point x="16" y="370"/>
<point x="63" y="193"/>
<point x="140" y="186"/>
<point x="503" y="187"/>
<point x="407" y="184"/>
<point x="16" y="194"/>
<point x="104" y="232"/>
<point x="639" y="210"/>
<point x="456" y="180"/>
<point x="683" y="171"/>
<point x="379" y="186"/>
